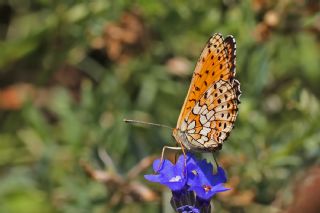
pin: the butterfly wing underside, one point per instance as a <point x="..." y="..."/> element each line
<point x="210" y="108"/>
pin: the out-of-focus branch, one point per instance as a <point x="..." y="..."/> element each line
<point x="123" y="189"/>
<point x="141" y="166"/>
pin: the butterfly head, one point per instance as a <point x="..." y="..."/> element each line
<point x="181" y="138"/>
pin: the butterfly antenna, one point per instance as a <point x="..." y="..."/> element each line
<point x="146" y="123"/>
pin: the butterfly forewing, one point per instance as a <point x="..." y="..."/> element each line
<point x="211" y="105"/>
<point x="203" y="73"/>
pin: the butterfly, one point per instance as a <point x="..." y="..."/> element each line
<point x="211" y="105"/>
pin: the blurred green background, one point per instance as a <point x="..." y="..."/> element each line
<point x="72" y="70"/>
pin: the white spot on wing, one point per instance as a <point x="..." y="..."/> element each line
<point x="210" y="144"/>
<point x="205" y="131"/>
<point x="183" y="125"/>
<point x="204" y="110"/>
<point x="210" y="114"/>
<point x="219" y="83"/>
<point x="203" y="119"/>
<point x="191" y="131"/>
<point x="212" y="118"/>
<point x="207" y="124"/>
<point x="204" y="138"/>
<point x="196" y="109"/>
<point x="192" y="125"/>
<point x="209" y="91"/>
<point x="201" y="141"/>
<point x="223" y="136"/>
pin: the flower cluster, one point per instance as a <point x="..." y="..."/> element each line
<point x="193" y="183"/>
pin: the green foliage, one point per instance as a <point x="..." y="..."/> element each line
<point x="78" y="93"/>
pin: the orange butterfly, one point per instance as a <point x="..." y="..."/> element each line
<point x="211" y="106"/>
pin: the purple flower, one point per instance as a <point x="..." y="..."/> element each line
<point x="203" y="181"/>
<point x="171" y="175"/>
<point x="192" y="182"/>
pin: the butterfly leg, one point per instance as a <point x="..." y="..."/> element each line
<point x="184" y="154"/>
<point x="162" y="154"/>
<point x="172" y="148"/>
<point x="215" y="160"/>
